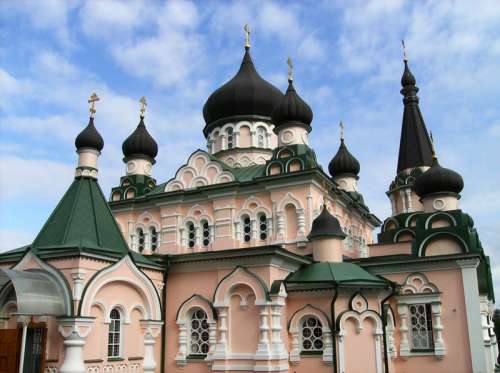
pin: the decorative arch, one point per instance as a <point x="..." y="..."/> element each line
<point x="295" y="329"/>
<point x="411" y="218"/>
<point x="388" y="221"/>
<point x="135" y="278"/>
<point x="285" y="149"/>
<point x="440" y="215"/>
<point x="290" y="199"/>
<point x="241" y="276"/>
<point x="404" y="230"/>
<point x="104" y="309"/>
<point x="289" y="162"/>
<point x="194" y="302"/>
<point x="435" y="236"/>
<point x="417" y="283"/>
<point x="274" y="163"/>
<point x="198" y="165"/>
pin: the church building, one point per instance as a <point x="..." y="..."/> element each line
<point x="253" y="257"/>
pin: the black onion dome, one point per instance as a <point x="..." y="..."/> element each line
<point x="245" y="94"/>
<point x="140" y="142"/>
<point x="343" y="162"/>
<point x="407" y="78"/>
<point x="292" y="109"/>
<point x="326" y="225"/>
<point x="438" y="179"/>
<point x="89" y="137"/>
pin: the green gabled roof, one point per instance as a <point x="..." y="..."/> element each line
<point x="338" y="274"/>
<point x="249" y="173"/>
<point x="82" y="220"/>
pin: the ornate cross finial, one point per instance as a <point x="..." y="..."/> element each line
<point x="92" y="100"/>
<point x="289" y="62"/>
<point x="143" y="105"/>
<point x="405" y="57"/>
<point x="341" y="125"/>
<point x="433" y="149"/>
<point x="246" y="28"/>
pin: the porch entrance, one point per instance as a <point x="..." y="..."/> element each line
<point x="11" y="349"/>
<point x="10" y="346"/>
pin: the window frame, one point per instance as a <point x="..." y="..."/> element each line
<point x="191" y="314"/>
<point x="244" y="225"/>
<point x="112" y="332"/>
<point x="154" y="238"/>
<point x="428" y="327"/>
<point x="190" y="228"/>
<point x="261" y="222"/>
<point x="312" y="337"/>
<point x="205" y="233"/>
<point x="140" y="236"/>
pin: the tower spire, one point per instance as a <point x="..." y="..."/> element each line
<point x="415" y="149"/>
<point x="246" y="28"/>
<point x="341" y="125"/>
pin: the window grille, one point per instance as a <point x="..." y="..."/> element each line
<point x="154" y="238"/>
<point x="191" y="235"/>
<point x="261" y="137"/>
<point x="206" y="233"/>
<point x="247" y="228"/>
<point x="114" y="333"/>
<point x="199" y="344"/>
<point x="229" y="135"/>
<point x="421" y="327"/>
<point x="263" y="227"/>
<point x="140" y="239"/>
<point x="312" y="335"/>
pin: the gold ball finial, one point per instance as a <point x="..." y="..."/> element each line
<point x="92" y="100"/>
<point x="246" y="28"/>
<point x="143" y="105"/>
<point x="289" y="62"/>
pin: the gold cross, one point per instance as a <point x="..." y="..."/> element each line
<point x="143" y="105"/>
<point x="405" y="57"/>
<point x="246" y="28"/>
<point x="341" y="125"/>
<point x="92" y="100"/>
<point x="289" y="62"/>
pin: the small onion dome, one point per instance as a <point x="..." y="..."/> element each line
<point x="326" y="225"/>
<point x="292" y="109"/>
<point x="407" y="78"/>
<point x="89" y="137"/>
<point x="343" y="162"/>
<point x="140" y="142"/>
<point x="438" y="179"/>
<point x="245" y="94"/>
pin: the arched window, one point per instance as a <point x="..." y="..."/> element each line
<point x="230" y="138"/>
<point x="247" y="228"/>
<point x="312" y="335"/>
<point x="199" y="344"/>
<point x="261" y="137"/>
<point x="191" y="235"/>
<point x="154" y="238"/>
<point x="140" y="239"/>
<point x="114" y="334"/>
<point x="263" y="229"/>
<point x="206" y="232"/>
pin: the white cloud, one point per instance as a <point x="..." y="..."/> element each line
<point x="13" y="238"/>
<point x="10" y="87"/>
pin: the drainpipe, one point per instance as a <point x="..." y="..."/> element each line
<point x="334" y="329"/>
<point x="384" y="324"/>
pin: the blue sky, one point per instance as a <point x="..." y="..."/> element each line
<point x="348" y="64"/>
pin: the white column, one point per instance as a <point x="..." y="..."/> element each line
<point x="328" y="350"/>
<point x="378" y="350"/>
<point x="301" y="223"/>
<point x="295" y="351"/>
<point x="253" y="138"/>
<point x="340" y="352"/>
<point x="24" y="320"/>
<point x="212" y="339"/>
<point x="281" y="226"/>
<point x="182" y="352"/>
<point x="74" y="332"/>
<point x="277" y="345"/>
<point x="78" y="276"/>
<point x="263" y="347"/>
<point x="471" y="295"/>
<point x="404" y="345"/>
<point x="409" y="205"/>
<point x="223" y="144"/>
<point x="253" y="229"/>
<point x="221" y="346"/>
<point x="152" y="330"/>
<point x="437" y="326"/>
<point x="309" y="210"/>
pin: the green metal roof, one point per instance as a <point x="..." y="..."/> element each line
<point x="339" y="274"/>
<point x="83" y="220"/>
